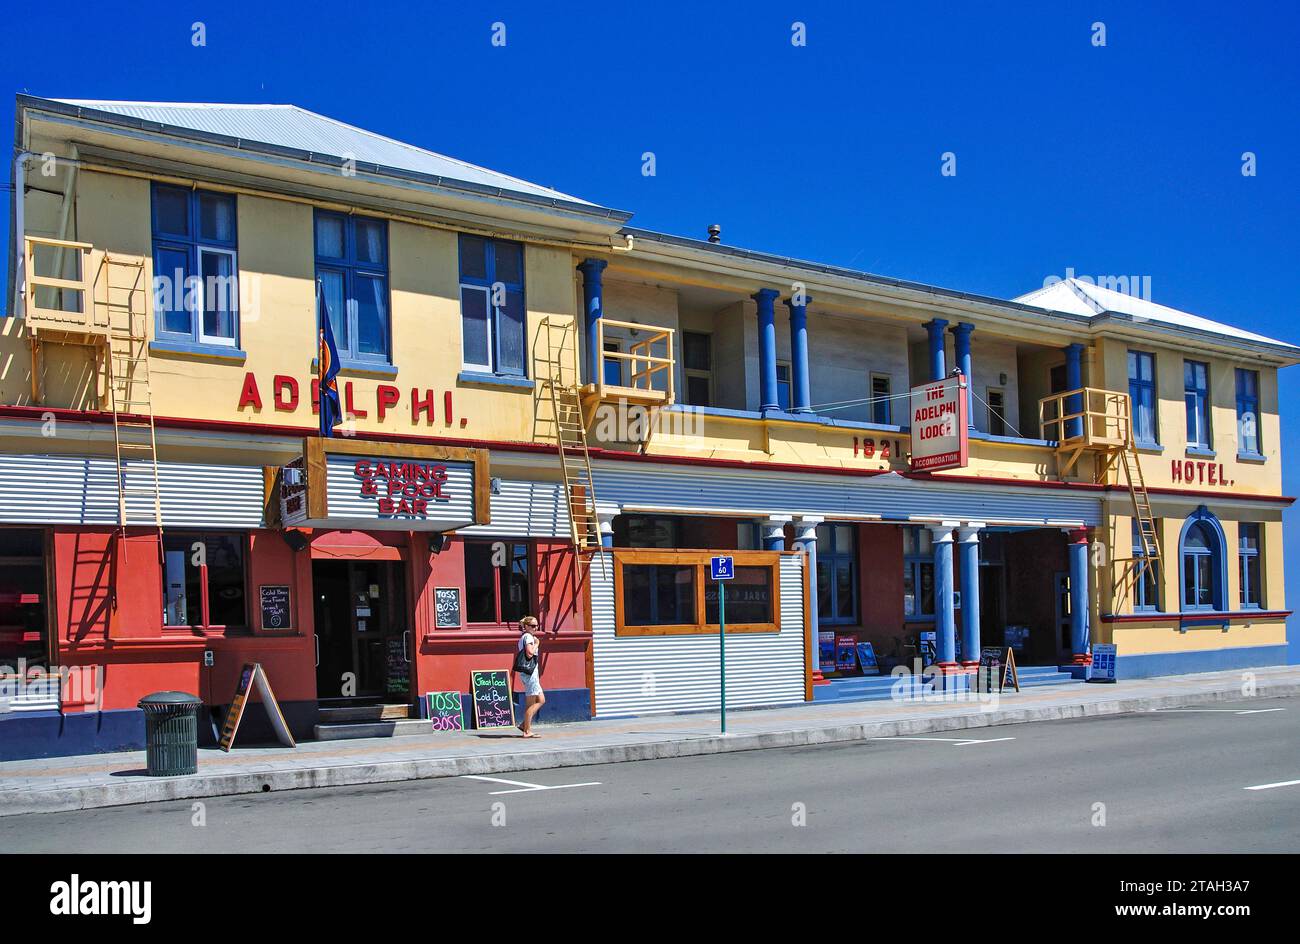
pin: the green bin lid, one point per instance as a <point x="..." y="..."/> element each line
<point x="166" y="699"/>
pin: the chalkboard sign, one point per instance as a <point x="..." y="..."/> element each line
<point x="253" y="674"/>
<point x="493" y="705"/>
<point x="398" y="679"/>
<point x="275" y="607"/>
<point x="1000" y="665"/>
<point x="445" y="711"/>
<point x="446" y="607"/>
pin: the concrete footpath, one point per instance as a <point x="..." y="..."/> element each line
<point x="98" y="780"/>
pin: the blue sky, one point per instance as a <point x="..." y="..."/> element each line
<point x="1122" y="159"/>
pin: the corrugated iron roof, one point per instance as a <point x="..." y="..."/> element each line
<point x="292" y="127"/>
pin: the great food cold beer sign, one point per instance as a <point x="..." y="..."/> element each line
<point x="939" y="425"/>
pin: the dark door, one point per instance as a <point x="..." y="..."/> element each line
<point x="361" y="628"/>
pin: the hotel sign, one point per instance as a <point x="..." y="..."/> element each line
<point x="939" y="425"/>
<point x="368" y="486"/>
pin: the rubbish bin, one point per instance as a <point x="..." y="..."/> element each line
<point x="171" y="733"/>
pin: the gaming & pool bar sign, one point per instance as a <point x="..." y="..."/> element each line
<point x="939" y="425"/>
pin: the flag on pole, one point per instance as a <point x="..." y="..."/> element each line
<point x="327" y="368"/>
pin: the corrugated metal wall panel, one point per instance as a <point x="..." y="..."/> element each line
<point x="812" y="494"/>
<point x="526" y="509"/>
<point x="638" y="675"/>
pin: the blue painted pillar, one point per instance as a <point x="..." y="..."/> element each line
<point x="767" y="395"/>
<point x="1074" y="381"/>
<point x="961" y="333"/>
<point x="774" y="534"/>
<point x="945" y="617"/>
<point x="805" y="539"/>
<point x="935" y="326"/>
<point x="1079" y="602"/>
<point x="968" y="538"/>
<point x="606" y="521"/>
<point x="593" y="305"/>
<point x="800" y="388"/>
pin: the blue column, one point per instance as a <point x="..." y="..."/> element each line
<point x="968" y="538"/>
<point x="945" y="617"/>
<point x="593" y="306"/>
<point x="774" y="534"/>
<point x="805" y="539"/>
<point x="800" y="391"/>
<point x="1079" y="603"/>
<point x="935" y="326"/>
<point x="1074" y="381"/>
<point x="961" y="333"/>
<point x="606" y="521"/>
<point x="767" y="395"/>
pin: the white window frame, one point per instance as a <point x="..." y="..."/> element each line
<point x="490" y="316"/>
<point x="216" y="339"/>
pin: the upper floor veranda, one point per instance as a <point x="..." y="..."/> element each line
<point x="453" y="291"/>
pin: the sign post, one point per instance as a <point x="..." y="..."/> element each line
<point x="722" y="569"/>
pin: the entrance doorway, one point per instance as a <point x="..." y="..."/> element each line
<point x="363" y="639"/>
<point x="1063" y="645"/>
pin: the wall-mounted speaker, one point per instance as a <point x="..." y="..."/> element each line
<point x="437" y="543"/>
<point x="295" y="539"/>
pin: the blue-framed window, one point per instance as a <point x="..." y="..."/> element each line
<point x="1248" y="551"/>
<point x="195" y="266"/>
<point x="837" y="574"/>
<point x="1201" y="557"/>
<point x="492" y="309"/>
<point x="918" y="574"/>
<point x="1142" y="393"/>
<point x="881" y="404"/>
<point x="1248" y="411"/>
<point x="352" y="266"/>
<point x="1146" y="591"/>
<point x="783" y="386"/>
<point x="1196" y="394"/>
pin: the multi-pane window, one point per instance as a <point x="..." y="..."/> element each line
<point x="659" y="594"/>
<point x="918" y="574"/>
<point x="697" y="364"/>
<point x="1142" y="394"/>
<point x="204" y="580"/>
<point x="498" y="581"/>
<point x="881" y="404"/>
<point x="1196" y="394"/>
<point x="195" y="266"/>
<point x="613" y="366"/>
<point x="783" y="385"/>
<point x="352" y="266"/>
<point x="1146" y="590"/>
<point x="1248" y="556"/>
<point x="837" y="566"/>
<point x="492" y="312"/>
<point x="1248" y="411"/>
<point x="997" y="406"/>
<point x="1200" y="567"/>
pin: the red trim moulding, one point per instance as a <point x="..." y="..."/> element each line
<point x="263" y="429"/>
<point x="1235" y="615"/>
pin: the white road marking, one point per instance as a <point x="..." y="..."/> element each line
<point x="1226" y="711"/>
<point x="955" y="742"/>
<point x="526" y="787"/>
<point x="1270" y="786"/>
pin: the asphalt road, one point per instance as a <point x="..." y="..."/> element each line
<point x="1164" y="781"/>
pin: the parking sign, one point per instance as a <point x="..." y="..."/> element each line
<point x="722" y="568"/>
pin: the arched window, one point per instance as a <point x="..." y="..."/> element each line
<point x="1201" y="562"/>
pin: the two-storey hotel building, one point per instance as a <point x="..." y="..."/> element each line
<point x="548" y="411"/>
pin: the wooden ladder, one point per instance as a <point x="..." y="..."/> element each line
<point x="1148" y="535"/>
<point x="129" y="392"/>
<point x="555" y="356"/>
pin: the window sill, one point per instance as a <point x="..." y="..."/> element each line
<point x="209" y="352"/>
<point x="1201" y="452"/>
<point x="359" y="368"/>
<point x="475" y="378"/>
<point x="1251" y="457"/>
<point x="1153" y="448"/>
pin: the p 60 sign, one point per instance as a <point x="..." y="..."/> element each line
<point x="939" y="425"/>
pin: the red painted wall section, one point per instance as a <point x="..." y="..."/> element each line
<point x="123" y="632"/>
<point x="446" y="657"/>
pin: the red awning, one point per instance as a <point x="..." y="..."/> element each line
<point x="353" y="545"/>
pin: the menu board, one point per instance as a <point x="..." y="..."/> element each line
<point x="997" y="664"/>
<point x="275" y="606"/>
<point x="445" y="711"/>
<point x="493" y="705"/>
<point x="446" y="607"/>
<point x="398" y="678"/>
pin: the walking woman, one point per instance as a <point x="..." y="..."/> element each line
<point x="527" y="665"/>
